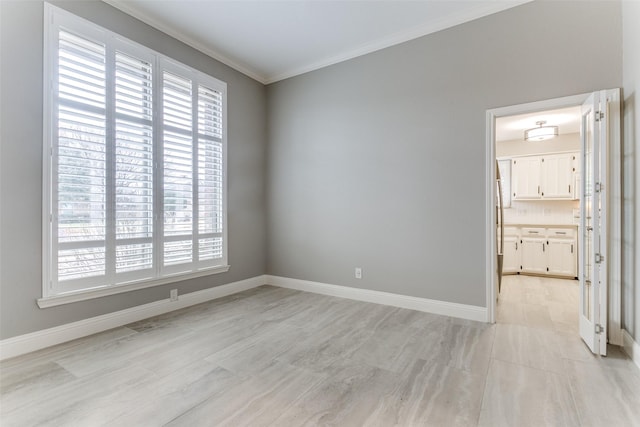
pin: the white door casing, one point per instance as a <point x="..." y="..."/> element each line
<point x="612" y="295"/>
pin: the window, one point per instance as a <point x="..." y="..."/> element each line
<point x="134" y="173"/>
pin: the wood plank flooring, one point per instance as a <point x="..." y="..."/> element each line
<point x="277" y="357"/>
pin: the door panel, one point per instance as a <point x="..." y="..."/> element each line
<point x="592" y="269"/>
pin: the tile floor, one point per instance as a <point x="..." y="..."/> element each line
<point x="278" y="357"/>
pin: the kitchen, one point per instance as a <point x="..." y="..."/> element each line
<point x="538" y="157"/>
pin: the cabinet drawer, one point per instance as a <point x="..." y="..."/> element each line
<point x="511" y="231"/>
<point x="560" y="233"/>
<point x="533" y="232"/>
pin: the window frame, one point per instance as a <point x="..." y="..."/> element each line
<point x="52" y="292"/>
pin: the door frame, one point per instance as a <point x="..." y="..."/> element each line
<point x="614" y="194"/>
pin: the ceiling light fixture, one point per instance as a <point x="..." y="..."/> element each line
<point x="541" y="132"/>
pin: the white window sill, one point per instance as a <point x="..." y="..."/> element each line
<point x="70" y="297"/>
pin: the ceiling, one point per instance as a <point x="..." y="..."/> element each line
<point x="512" y="127"/>
<point x="273" y="40"/>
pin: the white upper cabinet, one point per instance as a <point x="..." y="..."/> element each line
<point x="557" y="176"/>
<point x="525" y="177"/>
<point x="550" y="177"/>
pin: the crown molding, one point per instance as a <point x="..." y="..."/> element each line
<point x="124" y="7"/>
<point x="413" y="33"/>
<point x="481" y="10"/>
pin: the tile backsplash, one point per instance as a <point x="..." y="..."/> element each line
<point x="543" y="212"/>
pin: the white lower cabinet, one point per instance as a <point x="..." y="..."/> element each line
<point x="511" y="260"/>
<point x="534" y="258"/>
<point x="541" y="250"/>
<point x="563" y="252"/>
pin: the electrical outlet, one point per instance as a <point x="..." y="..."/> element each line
<point x="173" y="294"/>
<point x="358" y="273"/>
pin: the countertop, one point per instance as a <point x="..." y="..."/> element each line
<point x="540" y="225"/>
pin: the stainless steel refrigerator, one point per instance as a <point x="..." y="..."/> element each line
<point x="499" y="226"/>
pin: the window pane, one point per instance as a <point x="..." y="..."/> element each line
<point x="210" y="248"/>
<point x="79" y="263"/>
<point x="177" y="102"/>
<point x="133" y="87"/>
<point x="209" y="186"/>
<point x="81" y="143"/>
<point x="134" y="257"/>
<point x="81" y="70"/>
<point x="178" y="252"/>
<point x="209" y="161"/>
<point x="178" y="182"/>
<point x="209" y="112"/>
<point x="134" y="180"/>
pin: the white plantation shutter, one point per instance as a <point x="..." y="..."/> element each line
<point x="134" y="167"/>
<point x="79" y="195"/>
<point x="192" y="172"/>
<point x="133" y="163"/>
<point x="210" y="203"/>
<point x="178" y="169"/>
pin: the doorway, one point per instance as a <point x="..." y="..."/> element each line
<point x="551" y="186"/>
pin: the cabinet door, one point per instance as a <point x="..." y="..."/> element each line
<point x="561" y="257"/>
<point x="533" y="255"/>
<point x="525" y="177"/>
<point x="557" y="176"/>
<point x="511" y="263"/>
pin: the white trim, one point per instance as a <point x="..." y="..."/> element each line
<point x="27" y="343"/>
<point x="491" y="277"/>
<point x="477" y="12"/>
<point x="462" y="311"/>
<point x="83" y="295"/>
<point x="614" y="323"/>
<point x="631" y="347"/>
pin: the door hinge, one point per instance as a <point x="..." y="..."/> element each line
<point x="599" y="329"/>
<point x="599" y="187"/>
<point x="599" y="115"/>
<point x="599" y="258"/>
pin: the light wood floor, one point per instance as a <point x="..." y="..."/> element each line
<point x="272" y="356"/>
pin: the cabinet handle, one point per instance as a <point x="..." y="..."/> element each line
<point x="533" y="232"/>
<point x="517" y="247"/>
<point x="571" y="248"/>
<point x="543" y="247"/>
<point x="561" y="232"/>
<point x="538" y="189"/>
<point x="569" y="188"/>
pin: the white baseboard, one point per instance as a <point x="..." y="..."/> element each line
<point x="631" y="347"/>
<point x="462" y="311"/>
<point x="33" y="341"/>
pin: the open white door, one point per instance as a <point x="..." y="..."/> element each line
<point x="593" y="223"/>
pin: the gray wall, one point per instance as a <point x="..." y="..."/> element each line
<point x="631" y="177"/>
<point x="21" y="167"/>
<point x="379" y="162"/>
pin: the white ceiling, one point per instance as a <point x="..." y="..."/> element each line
<point x="512" y="127"/>
<point x="273" y="40"/>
